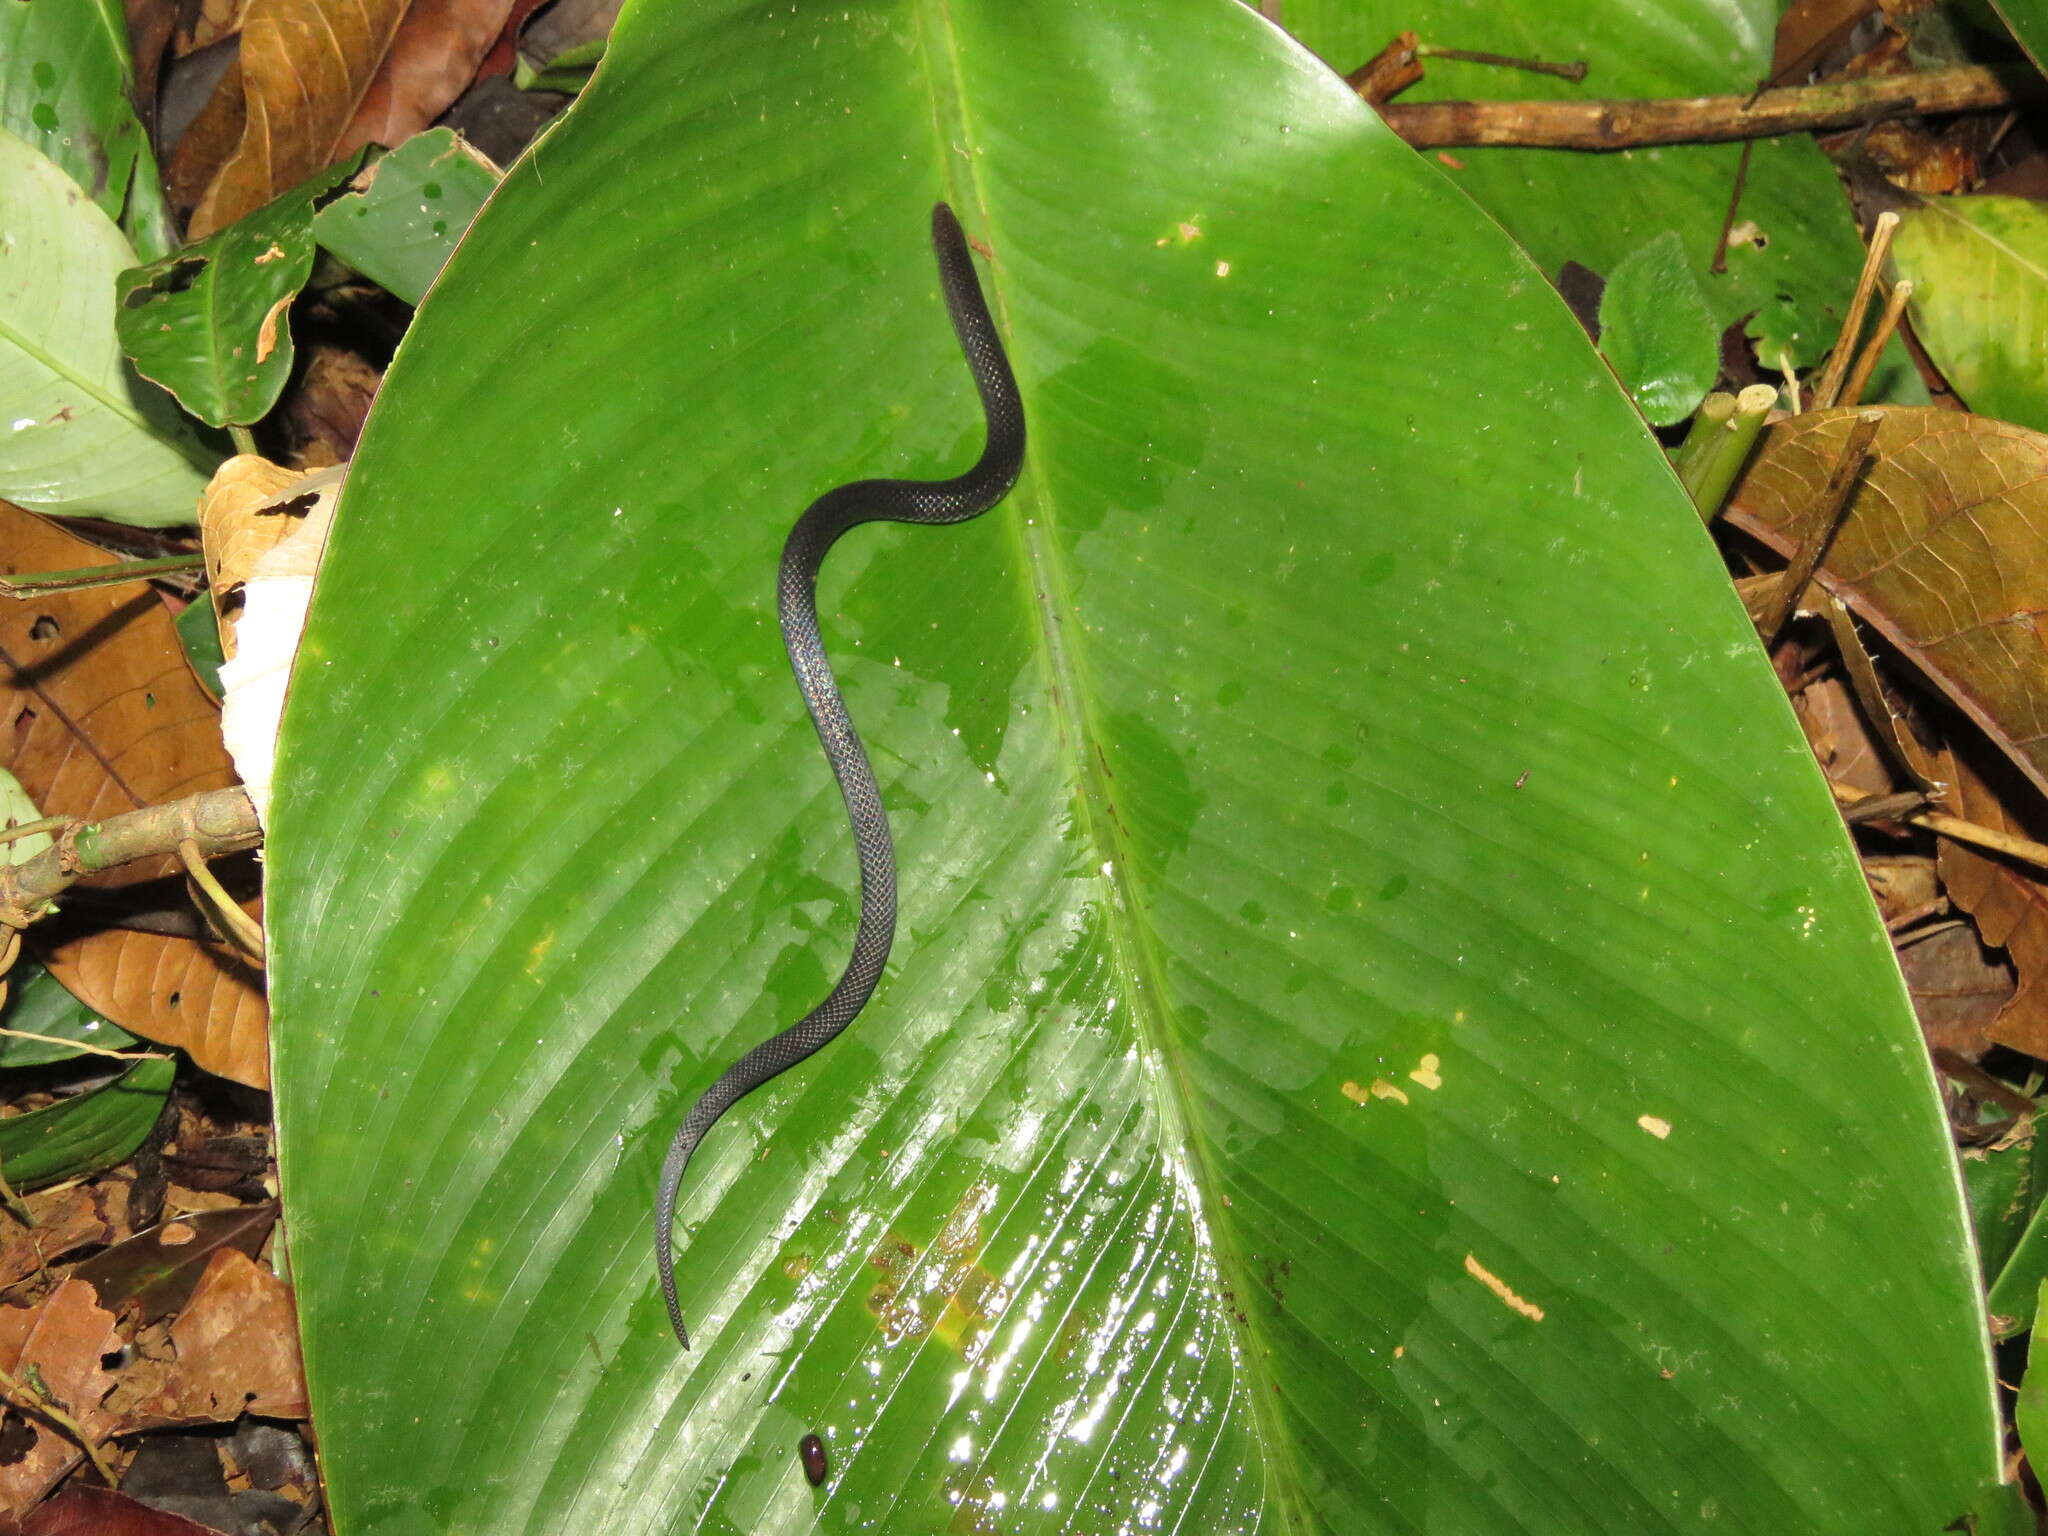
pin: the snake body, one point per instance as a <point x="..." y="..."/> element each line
<point x="832" y="514"/>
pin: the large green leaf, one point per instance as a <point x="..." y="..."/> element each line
<point x="80" y="434"/>
<point x="1794" y="258"/>
<point x="1387" y="1033"/>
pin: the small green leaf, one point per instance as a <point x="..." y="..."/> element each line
<point x="402" y="228"/>
<point x="17" y="809"/>
<point x="80" y="434"/>
<point x="199" y="632"/>
<point x="209" y="322"/>
<point x="1979" y="269"/>
<point x="83" y="1135"/>
<point x="39" y="1004"/>
<point x="1657" y="332"/>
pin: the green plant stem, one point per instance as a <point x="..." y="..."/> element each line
<point x="40" y="583"/>
<point x="243" y="439"/>
<point x="216" y="821"/>
<point x="1713" y="416"/>
<point x="1730" y="449"/>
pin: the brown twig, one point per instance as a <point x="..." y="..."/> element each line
<point x="1389" y="72"/>
<point x="1829" y="507"/>
<point x="1719" y="264"/>
<point x="1955" y="828"/>
<point x="216" y="821"/>
<point x="1829" y="389"/>
<point x="1866" y="361"/>
<point x="1574" y="71"/>
<point x="1710" y="119"/>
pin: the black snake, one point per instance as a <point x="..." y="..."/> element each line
<point x="832" y="514"/>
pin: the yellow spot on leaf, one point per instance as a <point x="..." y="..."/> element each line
<point x="1427" y="1072"/>
<point x="1656" y="1127"/>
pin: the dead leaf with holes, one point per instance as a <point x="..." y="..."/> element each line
<point x="102" y="715"/>
<point x="236" y="1344"/>
<point x="1943" y="551"/>
<point x="60" y="1343"/>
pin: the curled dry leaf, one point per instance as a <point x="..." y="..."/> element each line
<point x="304" y="69"/>
<point x="275" y="599"/>
<point x="101" y="715"/>
<point x="67" y="1218"/>
<point x="64" y="1339"/>
<point x="243" y="513"/>
<point x="1942" y="551"/>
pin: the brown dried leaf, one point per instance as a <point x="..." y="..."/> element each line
<point x="1957" y="989"/>
<point x="325" y="413"/>
<point x="2007" y="899"/>
<point x="67" y="1217"/>
<point x="64" y="1339"/>
<point x="1942" y="552"/>
<point x="103" y="1512"/>
<point x="240" y="518"/>
<point x="304" y="70"/>
<point x="432" y="60"/>
<point x="237" y="1344"/>
<point x="101" y="715"/>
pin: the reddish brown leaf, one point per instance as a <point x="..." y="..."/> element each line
<point x="1957" y="988"/>
<point x="157" y="1270"/>
<point x="68" y="1217"/>
<point x="2007" y="898"/>
<point x="103" y="1512"/>
<point x="102" y="715"/>
<point x="304" y="70"/>
<point x="64" y="1340"/>
<point x="237" y="1344"/>
<point x="1942" y="552"/>
<point x="504" y="53"/>
<point x="431" y="62"/>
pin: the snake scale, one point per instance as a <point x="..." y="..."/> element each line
<point x="831" y="515"/>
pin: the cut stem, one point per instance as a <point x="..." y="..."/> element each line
<point x="1866" y="361"/>
<point x="1955" y="828"/>
<point x="1731" y="449"/>
<point x="1828" y="390"/>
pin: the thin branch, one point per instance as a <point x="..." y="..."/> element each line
<point x="1711" y="119"/>
<point x="80" y="1045"/>
<point x="41" y="583"/>
<point x="1955" y="828"/>
<point x="43" y="1406"/>
<point x="1575" y="71"/>
<point x="1866" y="361"/>
<point x="216" y="821"/>
<point x="235" y="925"/>
<point x="1829" y="508"/>
<point x="1829" y="388"/>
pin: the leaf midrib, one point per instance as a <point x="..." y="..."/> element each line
<point x="1135" y="952"/>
